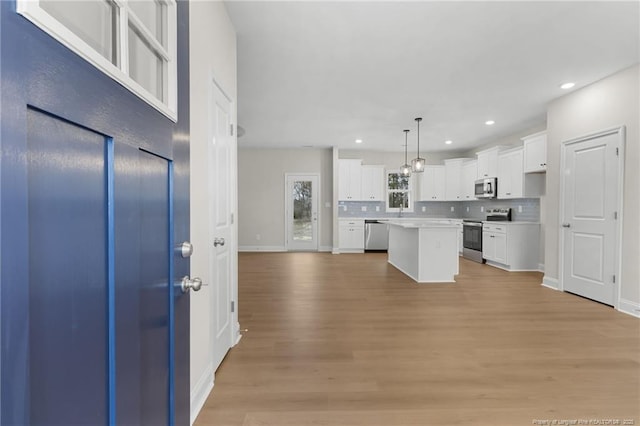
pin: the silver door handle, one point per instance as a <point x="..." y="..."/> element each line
<point x="566" y="225"/>
<point x="187" y="284"/>
<point x="185" y="249"/>
<point x="218" y="242"/>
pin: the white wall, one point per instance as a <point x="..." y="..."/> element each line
<point x="213" y="56"/>
<point x="261" y="192"/>
<point x="608" y="103"/>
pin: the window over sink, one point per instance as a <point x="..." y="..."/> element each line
<point x="399" y="192"/>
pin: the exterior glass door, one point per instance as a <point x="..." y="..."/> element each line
<point x="302" y="212"/>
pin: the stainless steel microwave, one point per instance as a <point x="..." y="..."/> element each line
<point x="486" y="188"/>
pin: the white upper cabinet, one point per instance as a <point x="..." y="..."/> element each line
<point x="512" y="181"/>
<point x="372" y="183"/>
<point x="535" y="152"/>
<point x="432" y="187"/>
<point x="349" y="180"/>
<point x="453" y="179"/>
<point x="510" y="174"/>
<point x="488" y="162"/>
<point x="468" y="179"/>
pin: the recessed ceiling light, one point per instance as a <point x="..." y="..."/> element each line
<point x="567" y="86"/>
<point x="358" y="140"/>
<point x="489" y="122"/>
<point x="448" y="142"/>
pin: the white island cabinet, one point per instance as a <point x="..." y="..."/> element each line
<point x="425" y="251"/>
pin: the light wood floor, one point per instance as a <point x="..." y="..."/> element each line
<point x="349" y="340"/>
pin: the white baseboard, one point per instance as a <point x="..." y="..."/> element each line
<point x="335" y="250"/>
<point x="551" y="283"/>
<point x="201" y="391"/>
<point x="262" y="248"/>
<point x="325" y="248"/>
<point x="629" y="307"/>
<point x="541" y="267"/>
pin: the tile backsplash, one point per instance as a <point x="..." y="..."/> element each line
<point x="461" y="209"/>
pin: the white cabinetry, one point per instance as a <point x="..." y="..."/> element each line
<point x="535" y="152"/>
<point x="468" y="179"/>
<point x="510" y="174"/>
<point x="432" y="186"/>
<point x="512" y="182"/>
<point x="351" y="235"/>
<point x="488" y="162"/>
<point x="494" y="243"/>
<point x="453" y="179"/>
<point x="349" y="180"/>
<point x="511" y="245"/>
<point x="372" y="178"/>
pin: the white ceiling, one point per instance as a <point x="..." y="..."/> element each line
<point x="326" y="73"/>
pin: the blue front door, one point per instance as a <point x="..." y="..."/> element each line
<point x="93" y="198"/>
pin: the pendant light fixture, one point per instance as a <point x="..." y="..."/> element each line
<point x="417" y="164"/>
<point x="405" y="169"/>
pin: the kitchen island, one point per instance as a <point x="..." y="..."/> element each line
<point x="425" y="251"/>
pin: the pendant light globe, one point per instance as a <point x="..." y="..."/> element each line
<point x="418" y="163"/>
<point x="405" y="169"/>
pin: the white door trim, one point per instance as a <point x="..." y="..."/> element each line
<point x="286" y="208"/>
<point x="621" y="132"/>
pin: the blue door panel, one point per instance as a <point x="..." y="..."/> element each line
<point x="154" y="287"/>
<point x="127" y="278"/>
<point x="143" y="287"/>
<point x="67" y="272"/>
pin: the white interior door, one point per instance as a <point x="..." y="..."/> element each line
<point x="302" y="211"/>
<point x="589" y="233"/>
<point x="220" y="214"/>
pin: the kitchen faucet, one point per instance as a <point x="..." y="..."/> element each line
<point x="400" y="211"/>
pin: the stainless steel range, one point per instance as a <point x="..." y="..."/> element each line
<point x="472" y="233"/>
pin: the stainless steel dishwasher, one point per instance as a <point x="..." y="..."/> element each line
<point x="376" y="235"/>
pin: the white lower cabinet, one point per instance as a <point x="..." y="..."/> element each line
<point x="511" y="245"/>
<point x="351" y="235"/>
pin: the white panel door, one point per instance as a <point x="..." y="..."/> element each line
<point x="590" y="188"/>
<point x="302" y="192"/>
<point x="220" y="210"/>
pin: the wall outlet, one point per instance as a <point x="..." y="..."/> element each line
<point x="258" y="236"/>
<point x="424" y="209"/>
<point x="344" y="208"/>
<point x="453" y="209"/>
<point x="377" y="208"/>
<point x="363" y="208"/>
<point x="467" y="209"/>
<point x="519" y="209"/>
<point x="481" y="208"/>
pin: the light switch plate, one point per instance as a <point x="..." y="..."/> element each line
<point x="467" y="209"/>
<point x="453" y="209"/>
<point x="424" y="208"/>
<point x="363" y="208"/>
<point x="327" y="204"/>
<point x="519" y="209"/>
<point x="481" y="208"/>
<point x="377" y="208"/>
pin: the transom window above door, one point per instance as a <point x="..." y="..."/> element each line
<point x="132" y="41"/>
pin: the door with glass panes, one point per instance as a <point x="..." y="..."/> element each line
<point x="302" y="191"/>
<point x="94" y="196"/>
